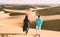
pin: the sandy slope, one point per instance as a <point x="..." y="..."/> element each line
<point x="18" y="20"/>
<point x="7" y="26"/>
<point x="31" y="33"/>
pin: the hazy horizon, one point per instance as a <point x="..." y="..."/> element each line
<point x="46" y="2"/>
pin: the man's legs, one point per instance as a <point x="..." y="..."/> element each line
<point x="38" y="31"/>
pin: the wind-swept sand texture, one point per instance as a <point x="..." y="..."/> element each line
<point x="7" y="26"/>
<point x="31" y="33"/>
<point x="16" y="20"/>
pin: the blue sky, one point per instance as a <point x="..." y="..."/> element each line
<point x="30" y="1"/>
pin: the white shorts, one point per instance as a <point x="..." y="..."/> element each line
<point x="38" y="30"/>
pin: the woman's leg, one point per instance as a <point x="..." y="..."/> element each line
<point x="26" y="30"/>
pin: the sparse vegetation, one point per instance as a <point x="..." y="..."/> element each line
<point x="50" y="11"/>
<point x="15" y="14"/>
<point x="18" y="7"/>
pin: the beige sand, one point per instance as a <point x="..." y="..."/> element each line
<point x="31" y="33"/>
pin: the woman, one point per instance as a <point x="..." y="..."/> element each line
<point x="26" y="24"/>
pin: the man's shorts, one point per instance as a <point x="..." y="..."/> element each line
<point x="38" y="29"/>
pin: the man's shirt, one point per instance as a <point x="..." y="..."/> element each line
<point x="38" y="22"/>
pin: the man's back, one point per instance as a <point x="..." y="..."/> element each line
<point x="38" y="22"/>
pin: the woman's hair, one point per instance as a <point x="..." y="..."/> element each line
<point x="26" y="17"/>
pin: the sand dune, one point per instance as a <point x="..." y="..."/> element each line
<point x="18" y="20"/>
<point x="31" y="33"/>
<point x="7" y="25"/>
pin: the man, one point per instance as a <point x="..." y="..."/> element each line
<point x="38" y="22"/>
